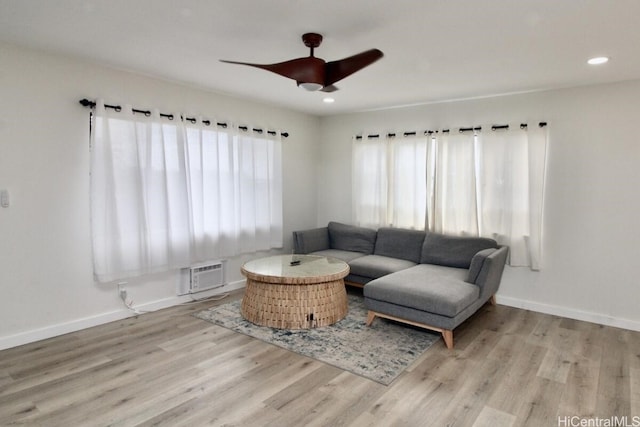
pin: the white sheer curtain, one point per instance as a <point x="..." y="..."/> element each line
<point x="140" y="214"/>
<point x="235" y="188"/>
<point x="452" y="185"/>
<point x="503" y="177"/>
<point x="165" y="195"/>
<point x="490" y="183"/>
<point x="258" y="188"/>
<point x="511" y="174"/>
<point x="209" y="154"/>
<point x="537" y="140"/>
<point x="370" y="169"/>
<point x="408" y="184"/>
<point x="389" y="181"/>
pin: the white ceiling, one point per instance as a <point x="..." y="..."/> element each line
<point x="435" y="50"/>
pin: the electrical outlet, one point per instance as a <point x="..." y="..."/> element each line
<point x="122" y="291"/>
<point x="4" y="198"/>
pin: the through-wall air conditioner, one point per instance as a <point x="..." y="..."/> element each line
<point x="201" y="277"/>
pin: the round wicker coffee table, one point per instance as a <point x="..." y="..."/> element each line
<point x="295" y="291"/>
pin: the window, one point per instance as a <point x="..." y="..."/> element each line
<point x="463" y="183"/>
<point x="166" y="194"/>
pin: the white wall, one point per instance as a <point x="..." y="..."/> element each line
<point x="592" y="203"/>
<point x="46" y="280"/>
<point x="591" y="230"/>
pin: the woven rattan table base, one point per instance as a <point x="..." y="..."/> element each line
<point x="294" y="306"/>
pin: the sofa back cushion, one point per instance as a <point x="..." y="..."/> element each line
<point x="307" y="241"/>
<point x="400" y="243"/>
<point x="453" y="251"/>
<point x="351" y="238"/>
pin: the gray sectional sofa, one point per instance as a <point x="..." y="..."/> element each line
<point x="421" y="278"/>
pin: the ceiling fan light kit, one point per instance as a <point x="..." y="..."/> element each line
<point x="311" y="87"/>
<point x="315" y="74"/>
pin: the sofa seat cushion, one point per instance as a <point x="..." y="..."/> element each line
<point x="346" y="256"/>
<point x="375" y="266"/>
<point x="434" y="289"/>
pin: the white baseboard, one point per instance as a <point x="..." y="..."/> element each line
<point x="569" y="313"/>
<point x="100" y="319"/>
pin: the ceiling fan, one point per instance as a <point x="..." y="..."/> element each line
<point x="313" y="73"/>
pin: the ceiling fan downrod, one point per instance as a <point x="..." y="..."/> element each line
<point x="312" y="41"/>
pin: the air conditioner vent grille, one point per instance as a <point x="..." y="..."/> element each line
<point x="202" y="269"/>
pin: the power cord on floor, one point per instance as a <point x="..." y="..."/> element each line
<point x="218" y="297"/>
<point x="129" y="303"/>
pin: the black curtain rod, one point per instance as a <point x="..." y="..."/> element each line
<point x="91" y="104"/>
<point x="469" y="129"/>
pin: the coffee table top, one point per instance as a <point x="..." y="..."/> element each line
<point x="295" y="269"/>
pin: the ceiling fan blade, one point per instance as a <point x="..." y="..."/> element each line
<point x="338" y="70"/>
<point x="330" y="88"/>
<point x="307" y="69"/>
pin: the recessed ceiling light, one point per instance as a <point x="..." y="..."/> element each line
<point x="328" y="100"/>
<point x="598" y="60"/>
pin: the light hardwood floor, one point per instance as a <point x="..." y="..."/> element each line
<point x="509" y="367"/>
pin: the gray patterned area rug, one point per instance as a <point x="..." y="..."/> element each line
<point x="380" y="352"/>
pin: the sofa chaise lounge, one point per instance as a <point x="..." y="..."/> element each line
<point x="425" y="279"/>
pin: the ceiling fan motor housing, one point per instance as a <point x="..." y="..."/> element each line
<point x="311" y="77"/>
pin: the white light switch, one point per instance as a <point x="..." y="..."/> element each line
<point x="4" y="198"/>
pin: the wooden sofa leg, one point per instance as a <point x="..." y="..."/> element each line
<point x="448" y="338"/>
<point x="447" y="334"/>
<point x="493" y="300"/>
<point x="370" y="317"/>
